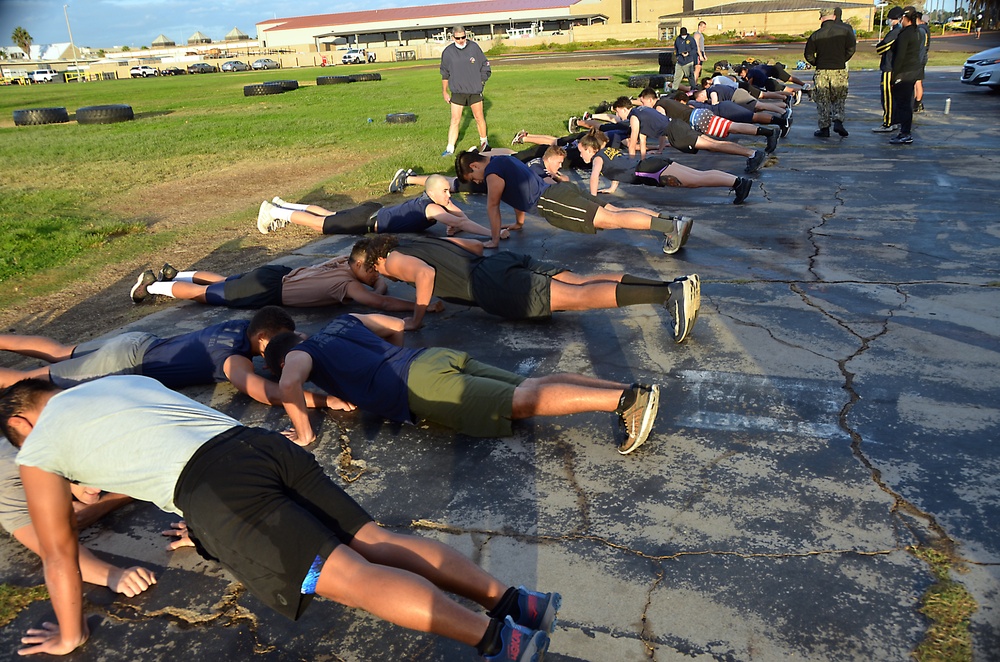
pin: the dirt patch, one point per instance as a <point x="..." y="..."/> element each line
<point x="85" y="309"/>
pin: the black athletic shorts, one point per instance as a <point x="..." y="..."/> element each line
<point x="265" y="509"/>
<point x="514" y="286"/>
<point x="462" y="99"/>
<point x="682" y="137"/>
<point x="356" y="220"/>
<point x="254" y="289"/>
<point x="566" y="207"/>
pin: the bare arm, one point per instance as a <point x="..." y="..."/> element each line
<point x="239" y="370"/>
<point x="413" y="270"/>
<point x="366" y="297"/>
<point x="596" y="165"/>
<point x="633" y="138"/>
<point x="444" y="90"/>
<point x="468" y="244"/>
<point x="494" y="189"/>
<point x="50" y="504"/>
<point x="294" y="374"/>
<point x="388" y="328"/>
<point x="454" y="217"/>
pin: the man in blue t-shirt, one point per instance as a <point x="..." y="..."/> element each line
<point x="218" y="353"/>
<point x="360" y="359"/>
<point x="563" y="205"/>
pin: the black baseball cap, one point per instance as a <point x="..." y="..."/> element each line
<point x="895" y="14"/>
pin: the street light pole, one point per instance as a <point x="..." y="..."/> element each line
<point x="76" y="63"/>
<point x="881" y="23"/>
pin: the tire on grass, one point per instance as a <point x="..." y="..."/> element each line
<point x="400" y="118"/>
<point x="33" y="116"/>
<point x="360" y="78"/>
<point x="657" y="81"/>
<point x="334" y="80"/>
<point x="110" y="114"/>
<point x="638" y="81"/>
<point x="286" y="85"/>
<point x="261" y="89"/>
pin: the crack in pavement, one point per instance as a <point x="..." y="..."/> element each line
<point x="569" y="457"/>
<point x="813" y="231"/>
<point x="645" y="635"/>
<point x="766" y="329"/>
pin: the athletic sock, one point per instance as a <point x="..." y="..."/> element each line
<point x="762" y="131"/>
<point x="629" y="279"/>
<point x="627" y="294"/>
<point x="292" y="205"/>
<point x="450" y="148"/>
<point x="491" y="644"/>
<point x="282" y="214"/>
<point x="164" y="288"/>
<point x="185" y="276"/>
<point x="626" y="401"/>
<point x="661" y="224"/>
<point x="507" y="606"/>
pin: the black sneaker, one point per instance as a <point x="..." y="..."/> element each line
<point x="788" y="122"/>
<point x="771" y="133"/>
<point x="886" y="129"/>
<point x="756" y="161"/>
<point x="822" y="133"/>
<point x="398" y="182"/>
<point x="901" y="139"/>
<point x="742" y="188"/>
<point x="138" y="292"/>
<point x="839" y="128"/>
<point x="167" y="272"/>
<point x="637" y="420"/>
<point x="683" y="304"/>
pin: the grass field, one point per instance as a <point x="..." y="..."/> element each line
<point x="69" y="191"/>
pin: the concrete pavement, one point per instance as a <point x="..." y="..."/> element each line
<point x="836" y="405"/>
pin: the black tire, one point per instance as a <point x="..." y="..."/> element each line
<point x="334" y="80"/>
<point x="286" y="85"/>
<point x="359" y="78"/>
<point x="657" y="81"/>
<point x="638" y="81"/>
<point x="111" y="114"/>
<point x="262" y="89"/>
<point x="33" y="116"/>
<point x="400" y="118"/>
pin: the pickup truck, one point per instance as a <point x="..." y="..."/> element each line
<point x="43" y="75"/>
<point x="142" y="71"/>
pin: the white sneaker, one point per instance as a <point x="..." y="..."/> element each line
<point x="265" y="221"/>
<point x="278" y="201"/>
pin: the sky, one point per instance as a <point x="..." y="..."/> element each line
<point x="135" y="23"/>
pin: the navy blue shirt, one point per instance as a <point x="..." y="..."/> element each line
<point x="357" y="366"/>
<point x="617" y="165"/>
<point x="522" y="187"/>
<point x="652" y="123"/>
<point x="410" y="216"/>
<point x="197" y="357"/>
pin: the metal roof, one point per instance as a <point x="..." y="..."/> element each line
<point x="767" y="7"/>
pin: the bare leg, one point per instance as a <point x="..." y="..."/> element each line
<point x="188" y="291"/>
<point x="206" y="278"/>
<point x="592" y="296"/>
<point x="723" y="146"/>
<point x="317" y="210"/>
<point x="571" y="278"/>
<point x="541" y="139"/>
<point x="534" y="397"/>
<point x="38" y="347"/>
<point x="609" y="218"/>
<point x="691" y="178"/>
<point x="477" y="114"/>
<point x="8" y="376"/>
<point x="743" y="129"/>
<point x="456" y="118"/>
<point x="310" y="220"/>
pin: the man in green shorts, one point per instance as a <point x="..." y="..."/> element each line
<point x="361" y="359"/>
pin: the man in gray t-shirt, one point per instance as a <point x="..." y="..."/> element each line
<point x="464" y="72"/>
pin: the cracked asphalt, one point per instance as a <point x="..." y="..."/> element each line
<point x="837" y="404"/>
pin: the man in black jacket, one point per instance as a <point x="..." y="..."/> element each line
<point x="884" y="48"/>
<point x="906" y="71"/>
<point x="828" y="50"/>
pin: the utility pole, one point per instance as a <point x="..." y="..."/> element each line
<point x="76" y="63"/>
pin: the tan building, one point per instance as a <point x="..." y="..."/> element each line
<point x="755" y="17"/>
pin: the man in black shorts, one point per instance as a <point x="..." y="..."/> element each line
<point x="362" y="359"/>
<point x="517" y="286"/>
<point x="464" y="72"/>
<point x="259" y="505"/>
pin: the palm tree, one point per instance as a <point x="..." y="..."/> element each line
<point x="23" y="40"/>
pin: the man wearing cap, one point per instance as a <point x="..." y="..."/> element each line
<point x="828" y="50"/>
<point x="906" y="71"/>
<point x="686" y="56"/>
<point x="884" y="48"/>
<point x="464" y="72"/>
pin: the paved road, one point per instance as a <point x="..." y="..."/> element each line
<point x="836" y="405"/>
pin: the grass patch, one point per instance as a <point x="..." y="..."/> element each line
<point x="13" y="599"/>
<point x="949" y="606"/>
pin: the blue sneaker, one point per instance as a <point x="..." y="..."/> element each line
<point x="448" y="152"/>
<point x="520" y="644"/>
<point x="538" y="610"/>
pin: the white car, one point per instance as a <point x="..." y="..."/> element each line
<point x="43" y="75"/>
<point x="143" y="71"/>
<point x="983" y="69"/>
<point x="353" y="56"/>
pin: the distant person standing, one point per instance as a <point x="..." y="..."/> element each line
<point x="685" y="55"/>
<point x="828" y="50"/>
<point x="699" y="41"/>
<point x="906" y="71"/>
<point x="925" y="47"/>
<point x="979" y="26"/>
<point x="464" y="72"/>
<point x="884" y="48"/>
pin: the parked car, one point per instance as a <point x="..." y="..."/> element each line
<point x="265" y="63"/>
<point x="983" y="69"/>
<point x="353" y="56"/>
<point x="235" y="65"/>
<point x="142" y="71"/>
<point x="202" y="68"/>
<point x="172" y="71"/>
<point x="43" y="75"/>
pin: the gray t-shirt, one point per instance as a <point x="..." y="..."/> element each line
<point x="13" y="504"/>
<point x="126" y="434"/>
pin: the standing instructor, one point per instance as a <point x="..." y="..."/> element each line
<point x="464" y="72"/>
<point x="828" y="49"/>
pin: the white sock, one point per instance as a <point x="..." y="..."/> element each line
<point x="292" y="205"/>
<point x="185" y="276"/>
<point x="165" y="288"/>
<point x="282" y="214"/>
<point x="450" y="148"/>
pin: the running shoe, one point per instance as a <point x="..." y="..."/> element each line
<point x="138" y="291"/>
<point x="772" y="138"/>
<point x="519" y="138"/>
<point x="537" y="611"/>
<point x="683" y="304"/>
<point x="901" y="139"/>
<point x="520" y="644"/>
<point x="398" y="182"/>
<point x="637" y="420"/>
<point x="571" y="125"/>
<point x="756" y="161"/>
<point x="167" y="272"/>
<point x="267" y="223"/>
<point x="798" y="97"/>
<point x="448" y="152"/>
<point x="683" y="227"/>
<point x="742" y="187"/>
<point x="882" y="128"/>
<point x="278" y="202"/>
